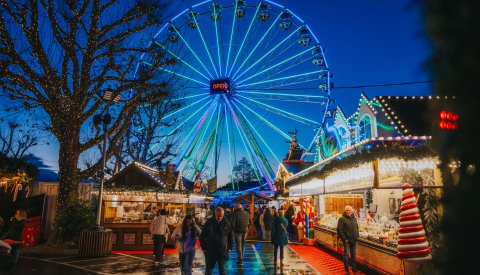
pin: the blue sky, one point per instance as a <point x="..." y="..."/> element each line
<point x="367" y="42"/>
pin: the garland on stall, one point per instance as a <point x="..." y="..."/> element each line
<point x="142" y="188"/>
<point x="379" y="150"/>
<point x="17" y="184"/>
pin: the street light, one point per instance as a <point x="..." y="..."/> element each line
<point x="104" y="119"/>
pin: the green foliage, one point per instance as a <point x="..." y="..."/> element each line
<point x="368" y="195"/>
<point x="78" y="216"/>
<point x="243" y="171"/>
<point x="11" y="165"/>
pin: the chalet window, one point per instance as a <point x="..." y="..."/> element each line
<point x="365" y="128"/>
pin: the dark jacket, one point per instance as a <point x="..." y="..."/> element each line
<point x="279" y="234"/>
<point x="15" y="230"/>
<point x="347" y="228"/>
<point x="240" y="221"/>
<point x="268" y="221"/>
<point x="289" y="213"/>
<point x="217" y="238"/>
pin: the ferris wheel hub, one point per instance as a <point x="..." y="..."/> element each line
<point x="220" y="86"/>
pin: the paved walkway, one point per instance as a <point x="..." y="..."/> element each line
<point x="258" y="259"/>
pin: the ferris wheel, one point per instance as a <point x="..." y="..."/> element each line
<point x="248" y="73"/>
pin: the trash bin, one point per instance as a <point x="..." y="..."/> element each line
<point x="95" y="243"/>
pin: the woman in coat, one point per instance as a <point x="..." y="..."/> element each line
<point x="279" y="235"/>
<point x="186" y="235"/>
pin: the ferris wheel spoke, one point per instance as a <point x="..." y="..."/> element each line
<point x="229" y="146"/>
<point x="256" y="46"/>
<point x="218" y="44"/>
<point x="196" y="129"/>
<point x="244" y="39"/>
<point x="181" y="124"/>
<point x="231" y="36"/>
<point x="201" y="144"/>
<point x="280" y="78"/>
<point x="279" y="86"/>
<point x="311" y="99"/>
<point x="291" y="66"/>
<point x="205" y="130"/>
<point x="190" y="96"/>
<point x="205" y="45"/>
<point x="183" y="61"/>
<point x="193" y="52"/>
<point x="241" y="134"/>
<point x="268" y="123"/>
<point x="255" y="130"/>
<point x="284" y="113"/>
<point x="272" y="50"/>
<point x="186" y="107"/>
<point x="274" y="66"/>
<point x="177" y="74"/>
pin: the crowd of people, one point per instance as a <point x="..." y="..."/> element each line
<point x="216" y="236"/>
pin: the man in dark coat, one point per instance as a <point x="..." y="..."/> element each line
<point x="347" y="229"/>
<point x="240" y="224"/>
<point x="216" y="241"/>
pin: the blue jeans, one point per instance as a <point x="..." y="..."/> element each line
<point x="186" y="262"/>
<point x="210" y="264"/>
<point x="350" y="248"/>
<point x="240" y="245"/>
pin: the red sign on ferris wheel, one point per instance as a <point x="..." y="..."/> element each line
<point x="220" y="86"/>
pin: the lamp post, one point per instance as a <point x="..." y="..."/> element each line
<point x="104" y="119"/>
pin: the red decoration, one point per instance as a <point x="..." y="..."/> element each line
<point x="412" y="243"/>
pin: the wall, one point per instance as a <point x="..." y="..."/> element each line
<point x="51" y="190"/>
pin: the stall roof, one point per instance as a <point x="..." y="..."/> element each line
<point x="247" y="198"/>
<point x="137" y="174"/>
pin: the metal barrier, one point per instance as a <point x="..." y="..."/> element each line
<point x="95" y="243"/>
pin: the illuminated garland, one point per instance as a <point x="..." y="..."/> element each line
<point x="146" y="189"/>
<point x="377" y="150"/>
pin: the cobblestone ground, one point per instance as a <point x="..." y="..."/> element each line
<point x="258" y="259"/>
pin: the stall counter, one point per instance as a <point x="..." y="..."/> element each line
<point x="134" y="236"/>
<point x="375" y="256"/>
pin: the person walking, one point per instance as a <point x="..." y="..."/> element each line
<point x="267" y="224"/>
<point x="347" y="229"/>
<point x="290" y="215"/>
<point x="159" y="231"/>
<point x="262" y="224"/>
<point x="216" y="241"/>
<point x="240" y="224"/>
<point x="256" y="221"/>
<point x="14" y="236"/>
<point x="279" y="236"/>
<point x="186" y="234"/>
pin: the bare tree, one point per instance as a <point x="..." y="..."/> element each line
<point x="57" y="56"/>
<point x="16" y="139"/>
<point x="142" y="139"/>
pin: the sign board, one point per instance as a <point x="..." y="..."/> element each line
<point x="212" y="185"/>
<point x="147" y="238"/>
<point x="220" y="86"/>
<point x="129" y="238"/>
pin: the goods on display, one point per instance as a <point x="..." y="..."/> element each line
<point x="412" y="241"/>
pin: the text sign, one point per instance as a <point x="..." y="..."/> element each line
<point x="220" y="86"/>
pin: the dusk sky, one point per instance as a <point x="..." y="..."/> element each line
<point x="367" y="42"/>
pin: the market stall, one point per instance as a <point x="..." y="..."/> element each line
<point x="133" y="197"/>
<point x="369" y="172"/>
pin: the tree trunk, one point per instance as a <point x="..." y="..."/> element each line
<point x="69" y="177"/>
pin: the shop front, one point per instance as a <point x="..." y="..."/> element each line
<point x="132" y="199"/>
<point x="373" y="184"/>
